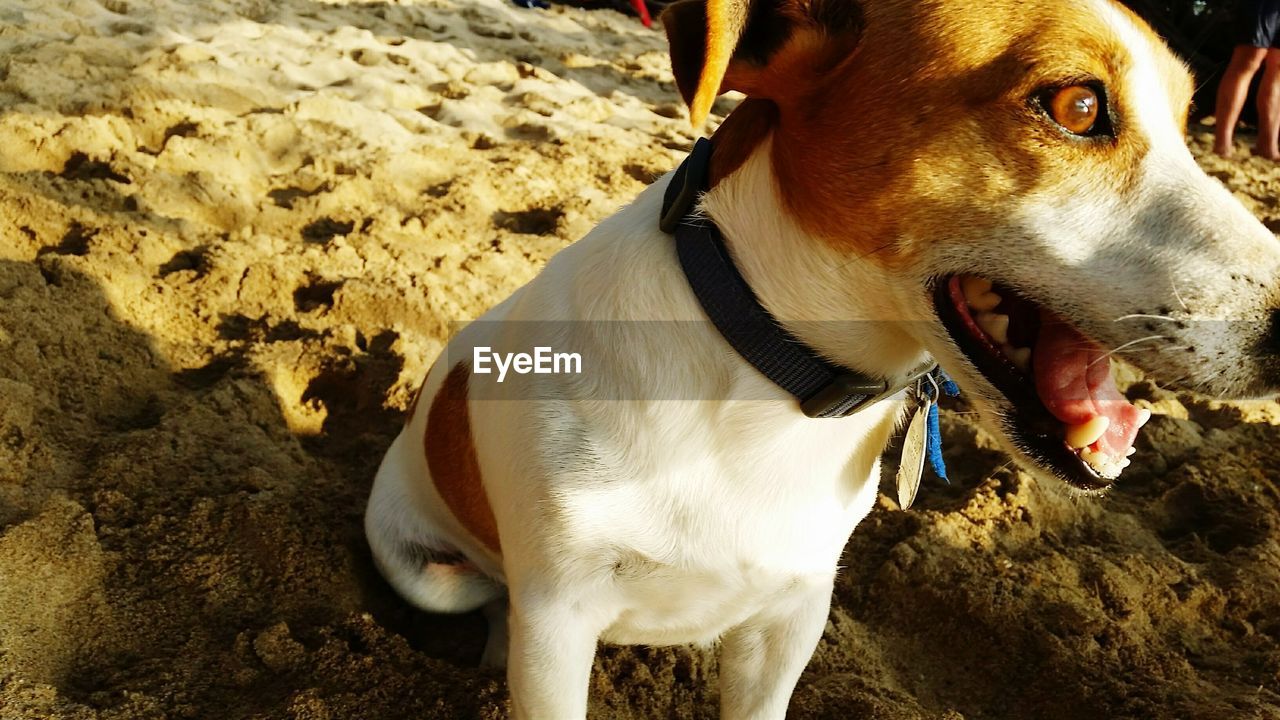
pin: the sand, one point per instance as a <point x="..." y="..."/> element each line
<point x="234" y="233"/>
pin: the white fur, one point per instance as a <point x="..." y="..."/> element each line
<point x="717" y="510"/>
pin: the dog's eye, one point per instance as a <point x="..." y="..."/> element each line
<point x="1075" y="108"/>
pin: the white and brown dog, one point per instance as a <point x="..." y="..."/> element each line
<point x="1000" y="185"/>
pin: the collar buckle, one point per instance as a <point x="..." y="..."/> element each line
<point x="844" y="395"/>
<point x="849" y="392"/>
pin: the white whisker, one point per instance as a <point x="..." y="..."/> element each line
<point x="1178" y="295"/>
<point x="1129" y="344"/>
<point x="1141" y="316"/>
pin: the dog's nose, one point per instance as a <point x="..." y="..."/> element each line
<point x="1271" y="340"/>
<point x="1269" y="350"/>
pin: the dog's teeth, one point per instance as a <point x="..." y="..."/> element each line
<point x="989" y="301"/>
<point x="1100" y="463"/>
<point x="1143" y="416"/>
<point x="1131" y="452"/>
<point x="1021" y="356"/>
<point x="1104" y="465"/>
<point x="1087" y="433"/>
<point x="974" y="286"/>
<point x="977" y="292"/>
<point x="995" y="325"/>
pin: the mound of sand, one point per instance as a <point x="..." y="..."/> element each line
<point x="233" y="234"/>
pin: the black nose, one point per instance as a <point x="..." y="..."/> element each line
<point x="1269" y="350"/>
<point x="1271" y="341"/>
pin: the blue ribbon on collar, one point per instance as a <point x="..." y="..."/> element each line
<point x="933" y="442"/>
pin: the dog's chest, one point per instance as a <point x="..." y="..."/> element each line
<point x="667" y="605"/>
<point x="690" y="561"/>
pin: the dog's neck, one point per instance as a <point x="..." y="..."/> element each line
<point x="842" y="307"/>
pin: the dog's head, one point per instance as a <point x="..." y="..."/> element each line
<point x="1019" y="171"/>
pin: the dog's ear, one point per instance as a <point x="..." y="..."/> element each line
<point x="763" y="48"/>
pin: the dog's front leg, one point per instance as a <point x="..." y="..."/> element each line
<point x="761" y="659"/>
<point x="549" y="665"/>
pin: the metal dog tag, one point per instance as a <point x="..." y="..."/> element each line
<point x="911" y="466"/>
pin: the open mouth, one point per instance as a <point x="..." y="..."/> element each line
<point x="1068" y="414"/>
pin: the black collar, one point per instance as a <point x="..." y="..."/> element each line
<point x="824" y="390"/>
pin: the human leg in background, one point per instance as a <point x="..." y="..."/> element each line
<point x="1269" y="107"/>
<point x="1232" y="92"/>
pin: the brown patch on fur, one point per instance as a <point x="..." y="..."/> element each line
<point x="930" y="128"/>
<point x="741" y="133"/>
<point x="451" y="457"/>
<point x="897" y="124"/>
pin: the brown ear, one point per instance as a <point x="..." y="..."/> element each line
<point x="719" y="45"/>
<point x="703" y="35"/>
<point x="686" y="26"/>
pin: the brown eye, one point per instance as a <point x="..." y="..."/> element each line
<point x="1075" y="108"/>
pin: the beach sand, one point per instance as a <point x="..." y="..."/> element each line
<point x="234" y="233"/>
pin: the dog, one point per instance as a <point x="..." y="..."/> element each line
<point x="999" y="186"/>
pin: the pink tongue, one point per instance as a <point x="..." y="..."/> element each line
<point x="1073" y="378"/>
